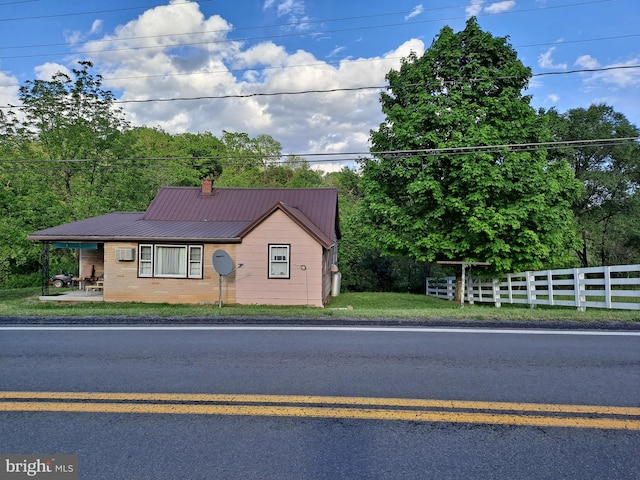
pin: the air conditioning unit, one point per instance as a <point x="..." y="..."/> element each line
<point x="125" y="254"/>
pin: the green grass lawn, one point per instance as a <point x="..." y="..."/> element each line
<point x="24" y="302"/>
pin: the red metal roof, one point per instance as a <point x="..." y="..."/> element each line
<point x="131" y="226"/>
<point x="318" y="205"/>
<point x="184" y="213"/>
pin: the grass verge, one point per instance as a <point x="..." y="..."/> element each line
<point x="371" y="305"/>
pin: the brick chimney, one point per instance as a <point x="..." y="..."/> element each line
<point x="207" y="186"/>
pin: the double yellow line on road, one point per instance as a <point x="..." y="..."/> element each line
<point x="368" y="408"/>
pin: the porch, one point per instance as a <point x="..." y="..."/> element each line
<point x="90" y="275"/>
<point x="75" y="296"/>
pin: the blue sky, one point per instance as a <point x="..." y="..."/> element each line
<point x="150" y="49"/>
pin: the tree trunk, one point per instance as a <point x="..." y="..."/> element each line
<point x="459" y="288"/>
<point x="583" y="255"/>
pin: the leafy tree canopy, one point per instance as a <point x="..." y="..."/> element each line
<point x="607" y="164"/>
<point x="448" y="180"/>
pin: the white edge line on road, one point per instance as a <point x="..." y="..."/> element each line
<point x="327" y="328"/>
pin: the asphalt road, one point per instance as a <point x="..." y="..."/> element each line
<point x="477" y="432"/>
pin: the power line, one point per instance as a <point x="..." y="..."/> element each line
<point x="229" y="30"/>
<point x="297" y="34"/>
<point x="318" y="64"/>
<point x="352" y="89"/>
<point x="306" y="65"/>
<point x="277" y="158"/>
<point x="348" y="89"/>
<point x="339" y="62"/>
<point x="323" y="64"/>
<point x="74" y="14"/>
<point x="17" y="2"/>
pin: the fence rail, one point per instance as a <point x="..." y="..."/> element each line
<point x="613" y="287"/>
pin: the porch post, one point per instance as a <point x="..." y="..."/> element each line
<point x="44" y="267"/>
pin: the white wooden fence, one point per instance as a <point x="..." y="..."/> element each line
<point x="596" y="287"/>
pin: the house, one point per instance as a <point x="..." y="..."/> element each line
<point x="282" y="242"/>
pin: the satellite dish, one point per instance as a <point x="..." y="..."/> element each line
<point x="222" y="262"/>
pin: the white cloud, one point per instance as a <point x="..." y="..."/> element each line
<point x="545" y="60"/>
<point x="168" y="63"/>
<point x="286" y="8"/>
<point x="500" y="7"/>
<point x="474" y="8"/>
<point x="587" y="61"/>
<point x="626" y="75"/>
<point x="75" y="36"/>
<point x="336" y="51"/>
<point x="294" y="11"/>
<point x="417" y="10"/>
<point x="553" y="98"/>
<point x="267" y="53"/>
<point x="8" y="89"/>
<point x="96" y="27"/>
<point x="48" y="70"/>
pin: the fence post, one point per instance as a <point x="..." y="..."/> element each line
<point x="531" y="289"/>
<point x="581" y="298"/>
<point x="496" y="292"/>
<point x="576" y="289"/>
<point x="550" y="286"/>
<point x="607" y="287"/>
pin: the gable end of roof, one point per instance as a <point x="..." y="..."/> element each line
<point x="297" y="217"/>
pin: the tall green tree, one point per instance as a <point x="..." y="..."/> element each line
<point x="201" y="152"/>
<point x="80" y="133"/>
<point x="609" y="169"/>
<point x="57" y="156"/>
<point x="248" y="159"/>
<point x="448" y="180"/>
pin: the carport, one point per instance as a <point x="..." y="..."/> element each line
<point x="90" y="257"/>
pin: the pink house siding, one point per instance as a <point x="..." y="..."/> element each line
<point x="304" y="287"/>
<point x="243" y="222"/>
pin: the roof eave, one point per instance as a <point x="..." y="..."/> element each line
<point x="102" y="239"/>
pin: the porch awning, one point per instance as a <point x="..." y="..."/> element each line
<point x="83" y="246"/>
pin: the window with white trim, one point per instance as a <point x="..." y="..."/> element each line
<point x="195" y="261"/>
<point x="170" y="261"/>
<point x="279" y="261"/>
<point x="145" y="261"/>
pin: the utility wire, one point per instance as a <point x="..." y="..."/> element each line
<point x="310" y="158"/>
<point x="353" y="89"/>
<point x="339" y="62"/>
<point x="75" y="14"/>
<point x="317" y="64"/>
<point x="17" y="2"/>
<point x="297" y="34"/>
<point x="234" y="29"/>
<point x="348" y="89"/>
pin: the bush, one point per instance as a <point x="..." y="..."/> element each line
<point x="23" y="280"/>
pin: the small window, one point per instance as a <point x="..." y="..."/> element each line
<point x="279" y="261"/>
<point x="195" y="262"/>
<point x="171" y="261"/>
<point x="145" y="262"/>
